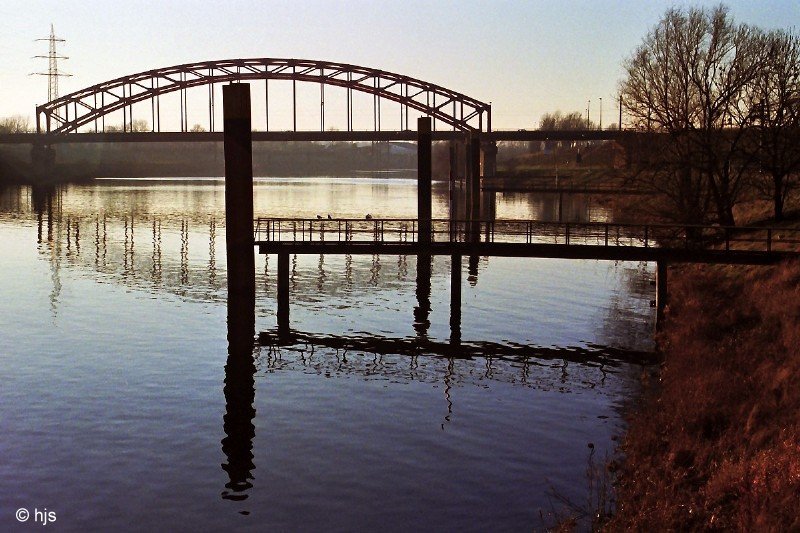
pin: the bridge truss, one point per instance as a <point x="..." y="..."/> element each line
<point x="89" y="106"/>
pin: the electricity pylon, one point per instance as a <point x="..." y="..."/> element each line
<point x="52" y="71"/>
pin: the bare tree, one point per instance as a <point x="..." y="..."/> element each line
<point x="140" y="125"/>
<point x="15" y="124"/>
<point x="689" y="80"/>
<point x="776" y="98"/>
<point x="560" y="121"/>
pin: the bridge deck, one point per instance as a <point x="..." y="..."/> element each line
<point x="528" y="238"/>
<point x="319" y="136"/>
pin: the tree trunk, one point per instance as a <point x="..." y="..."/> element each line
<point x="778" y="196"/>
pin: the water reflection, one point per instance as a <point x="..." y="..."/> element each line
<point x="237" y="445"/>
<point x="398" y="358"/>
<point x="639" y="286"/>
<point x="239" y="391"/>
<point x="180" y="255"/>
<point x="168" y="246"/>
<point x="423" y="291"/>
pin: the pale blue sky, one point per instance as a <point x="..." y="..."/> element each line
<point x="526" y="57"/>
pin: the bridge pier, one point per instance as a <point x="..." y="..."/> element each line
<point x="43" y="157"/>
<point x="661" y="293"/>
<point x="474" y="188"/>
<point x="489" y="158"/>
<point x="453" y="152"/>
<point x="240" y="245"/>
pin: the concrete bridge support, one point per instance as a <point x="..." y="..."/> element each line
<point x="489" y="158"/>
<point x="453" y="179"/>
<point x="473" y="190"/>
<point x="43" y="157"/>
<point x="239" y="212"/>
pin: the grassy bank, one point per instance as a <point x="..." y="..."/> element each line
<point x="716" y="441"/>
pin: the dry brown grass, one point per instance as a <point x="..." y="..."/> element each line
<point x="716" y="445"/>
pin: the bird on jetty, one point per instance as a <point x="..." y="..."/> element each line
<point x="330" y="217"/>
<point x="319" y="217"/>
<point x="368" y="217"/>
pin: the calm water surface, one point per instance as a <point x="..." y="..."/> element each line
<point x="116" y="411"/>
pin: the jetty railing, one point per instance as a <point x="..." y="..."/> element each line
<point x="406" y="230"/>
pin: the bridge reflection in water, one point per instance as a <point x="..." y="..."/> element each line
<point x="177" y="254"/>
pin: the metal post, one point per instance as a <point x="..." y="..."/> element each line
<point x="377" y="87"/>
<point x="124" y="112"/>
<point x="322" y="106"/>
<point x="152" y="110"/>
<point x="349" y="102"/>
<point x="266" y="103"/>
<point x="294" y="101"/>
<point x="239" y="206"/>
<point x="210" y="107"/>
<point x="424" y="171"/>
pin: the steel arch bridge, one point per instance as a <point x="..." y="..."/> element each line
<point x="89" y="106"/>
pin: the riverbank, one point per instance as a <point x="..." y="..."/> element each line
<point x="84" y="161"/>
<point x="715" y="443"/>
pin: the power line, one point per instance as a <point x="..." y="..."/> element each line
<point x="52" y="71"/>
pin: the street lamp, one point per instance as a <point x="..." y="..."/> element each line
<point x="587" y="113"/>
<point x="601" y="113"/>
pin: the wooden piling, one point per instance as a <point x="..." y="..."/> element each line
<point x="455" y="299"/>
<point x="239" y="239"/>
<point x="424" y="177"/>
<point x="283" y="294"/>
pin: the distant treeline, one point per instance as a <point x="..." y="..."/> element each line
<point x="128" y="160"/>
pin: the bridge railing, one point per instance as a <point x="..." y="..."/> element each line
<point x="406" y="230"/>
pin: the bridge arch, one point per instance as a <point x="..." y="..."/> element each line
<point x="70" y="112"/>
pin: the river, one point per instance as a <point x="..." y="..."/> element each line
<point x="116" y="411"/>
